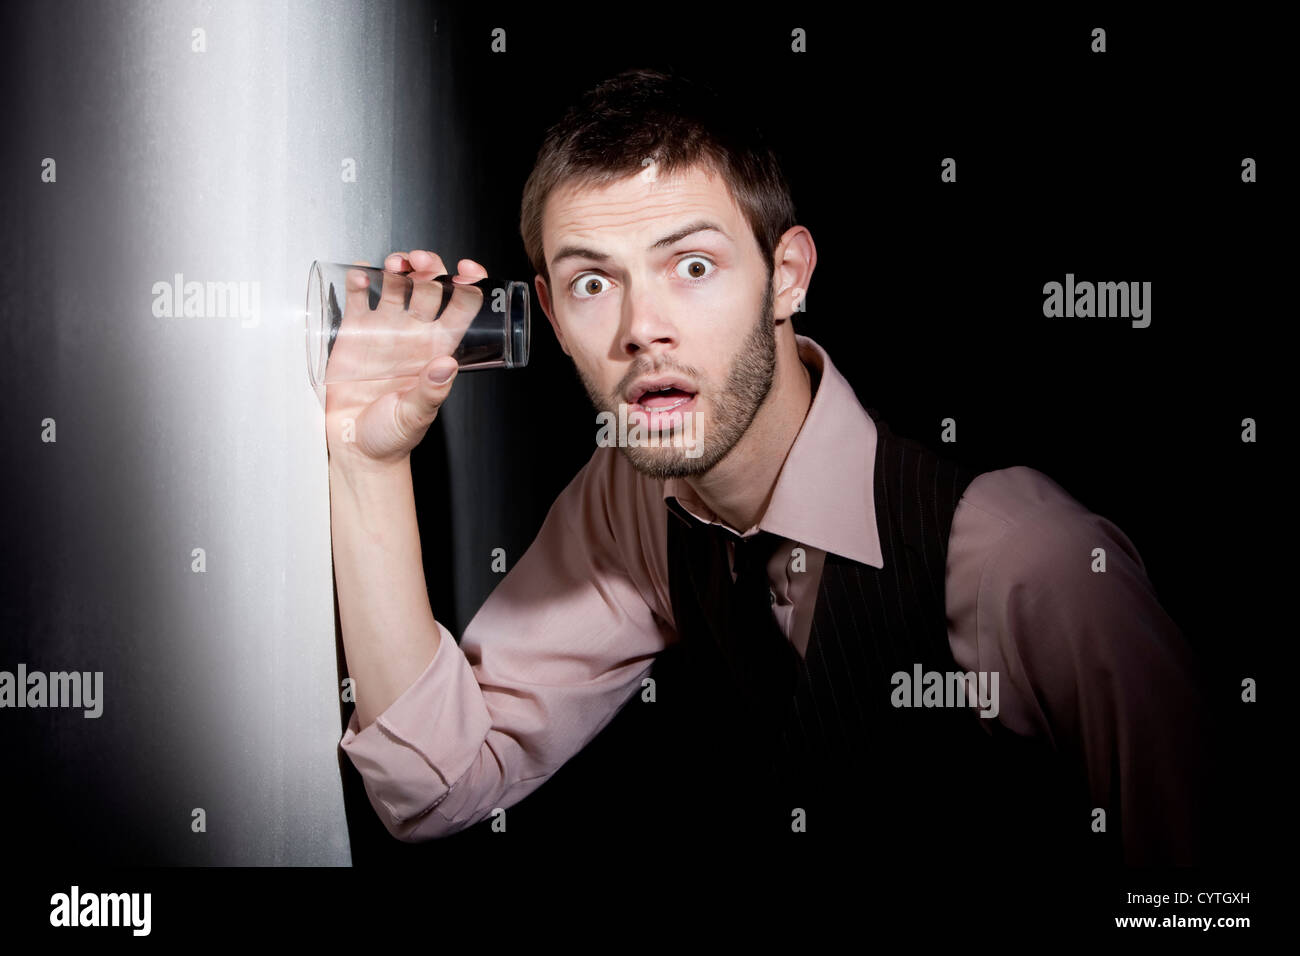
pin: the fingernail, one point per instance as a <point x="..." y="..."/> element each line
<point x="439" y="373"/>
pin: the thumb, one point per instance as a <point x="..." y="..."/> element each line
<point x="418" y="406"/>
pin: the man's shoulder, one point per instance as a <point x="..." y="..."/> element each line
<point x="619" y="518"/>
<point x="1024" y="523"/>
<point x="1015" y="496"/>
<point x="608" y="478"/>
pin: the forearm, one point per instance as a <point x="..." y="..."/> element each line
<point x="389" y="634"/>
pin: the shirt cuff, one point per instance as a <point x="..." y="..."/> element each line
<point x="418" y="749"/>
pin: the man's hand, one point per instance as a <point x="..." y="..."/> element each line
<point x="378" y="423"/>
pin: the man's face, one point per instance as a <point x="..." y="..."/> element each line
<point x="636" y="308"/>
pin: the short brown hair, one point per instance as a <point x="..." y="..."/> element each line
<point x="676" y="122"/>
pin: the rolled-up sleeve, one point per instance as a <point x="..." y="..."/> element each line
<point x="406" y="768"/>
<point x="1089" y="659"/>
<point x="558" y="647"/>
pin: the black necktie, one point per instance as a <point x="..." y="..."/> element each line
<point x="765" y="663"/>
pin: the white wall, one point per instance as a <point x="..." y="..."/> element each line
<point x="176" y="433"/>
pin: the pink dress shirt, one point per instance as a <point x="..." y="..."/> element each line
<point x="568" y="635"/>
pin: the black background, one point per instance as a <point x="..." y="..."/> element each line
<point x="928" y="296"/>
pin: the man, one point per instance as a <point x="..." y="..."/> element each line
<point x="848" y="633"/>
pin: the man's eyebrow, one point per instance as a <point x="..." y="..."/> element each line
<point x="582" y="252"/>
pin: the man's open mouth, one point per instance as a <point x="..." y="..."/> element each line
<point x="663" y="399"/>
<point x="660" y="393"/>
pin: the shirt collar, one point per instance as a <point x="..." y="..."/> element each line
<point x="825" y="492"/>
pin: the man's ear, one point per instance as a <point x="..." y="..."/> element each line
<point x="795" y="259"/>
<point x="544" y="299"/>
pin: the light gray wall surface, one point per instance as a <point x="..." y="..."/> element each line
<point x="174" y="433"/>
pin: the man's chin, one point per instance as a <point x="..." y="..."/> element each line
<point x="666" y="462"/>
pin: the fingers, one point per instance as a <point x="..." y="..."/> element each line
<point x="395" y="285"/>
<point x="409" y="270"/>
<point x="358" y="302"/>
<point x="425" y="261"/>
<point x="457" y="318"/>
<point x="418" y="406"/>
<point x="426" y="297"/>
<point x="466" y="301"/>
<point x="468" y="267"/>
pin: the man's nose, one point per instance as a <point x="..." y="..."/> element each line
<point x="647" y="326"/>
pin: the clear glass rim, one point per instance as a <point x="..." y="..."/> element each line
<point x="513" y="360"/>
<point x="314" y="292"/>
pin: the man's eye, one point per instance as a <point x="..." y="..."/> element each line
<point x="584" y="287"/>
<point x="696" y="268"/>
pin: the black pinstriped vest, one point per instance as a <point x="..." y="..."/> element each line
<point x="858" y="766"/>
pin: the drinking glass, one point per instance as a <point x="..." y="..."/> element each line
<point x="397" y="324"/>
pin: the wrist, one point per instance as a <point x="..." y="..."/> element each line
<point x="355" y="468"/>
